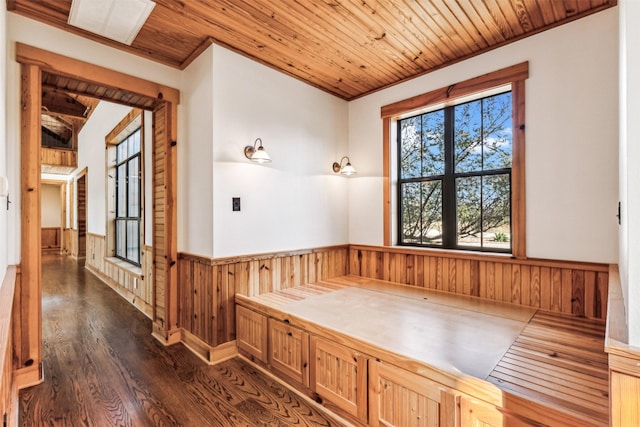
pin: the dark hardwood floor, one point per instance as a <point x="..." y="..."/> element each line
<point x="103" y="368"/>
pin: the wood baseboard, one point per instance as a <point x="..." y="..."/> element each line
<point x="28" y="377"/>
<point x="166" y="338"/>
<point x="208" y="354"/>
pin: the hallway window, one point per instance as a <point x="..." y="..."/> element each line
<point x="128" y="195"/>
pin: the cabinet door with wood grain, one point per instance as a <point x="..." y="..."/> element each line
<point x="400" y="398"/>
<point x="476" y="413"/>
<point x="251" y="333"/>
<point x="338" y="377"/>
<point x="289" y="351"/>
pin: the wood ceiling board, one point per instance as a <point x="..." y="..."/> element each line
<point x="346" y="47"/>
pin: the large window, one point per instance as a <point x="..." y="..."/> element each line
<point x="454" y="165"/>
<point x="128" y="197"/>
<point x="454" y="176"/>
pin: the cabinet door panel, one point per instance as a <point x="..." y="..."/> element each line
<point x="251" y="333"/>
<point x="289" y="351"/>
<point x="474" y="413"/>
<point x="401" y="398"/>
<point x="339" y="375"/>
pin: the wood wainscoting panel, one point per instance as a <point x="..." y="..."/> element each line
<point x="566" y="287"/>
<point x="133" y="283"/>
<point x="50" y="238"/>
<point x="96" y="249"/>
<point x="69" y="242"/>
<point x="8" y="393"/>
<point x="208" y="286"/>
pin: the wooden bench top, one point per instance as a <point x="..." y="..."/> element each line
<point x="555" y="360"/>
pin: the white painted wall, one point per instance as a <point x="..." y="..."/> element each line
<point x="4" y="243"/>
<point x="195" y="159"/>
<point x="27" y="31"/>
<point x="629" y="153"/>
<point x="296" y="201"/>
<point x="50" y="206"/>
<point x="571" y="139"/>
<point x="91" y="154"/>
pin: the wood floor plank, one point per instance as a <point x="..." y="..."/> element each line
<point x="103" y="368"/>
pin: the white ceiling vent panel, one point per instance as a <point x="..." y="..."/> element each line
<point x="118" y="20"/>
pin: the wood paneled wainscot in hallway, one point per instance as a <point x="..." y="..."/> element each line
<point x="135" y="284"/>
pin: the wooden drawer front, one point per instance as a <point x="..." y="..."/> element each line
<point x="400" y="398"/>
<point x="251" y="333"/>
<point x="478" y="414"/>
<point x="339" y="375"/>
<point x="289" y="351"/>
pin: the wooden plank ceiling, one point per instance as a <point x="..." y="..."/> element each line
<point x="346" y="47"/>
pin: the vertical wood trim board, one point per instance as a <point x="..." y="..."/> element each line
<point x="29" y="351"/>
<point x="165" y="258"/>
<point x="559" y="286"/>
<point x="207" y="286"/>
<point x="159" y="219"/>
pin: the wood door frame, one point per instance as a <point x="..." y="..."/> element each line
<point x="82" y="175"/>
<point x="28" y="325"/>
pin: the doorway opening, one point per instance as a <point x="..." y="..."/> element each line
<point x="40" y="69"/>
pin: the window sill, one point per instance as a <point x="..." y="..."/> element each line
<point x="133" y="269"/>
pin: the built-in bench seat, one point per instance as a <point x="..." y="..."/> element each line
<point x="427" y="355"/>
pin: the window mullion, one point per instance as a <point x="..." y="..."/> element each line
<point x="449" y="223"/>
<point x="482" y="170"/>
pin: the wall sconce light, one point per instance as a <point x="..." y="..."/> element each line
<point x="346" y="169"/>
<point x="256" y="152"/>
<point x="4" y="189"/>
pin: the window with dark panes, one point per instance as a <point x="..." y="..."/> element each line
<point x="454" y="176"/>
<point x="128" y="196"/>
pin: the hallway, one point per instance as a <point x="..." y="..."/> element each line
<point x="102" y="367"/>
